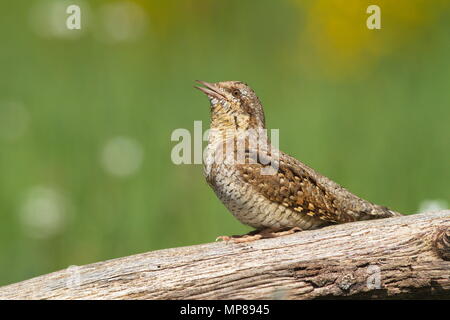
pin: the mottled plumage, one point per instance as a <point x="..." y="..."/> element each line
<point x="295" y="196"/>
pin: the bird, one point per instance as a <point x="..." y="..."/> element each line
<point x="259" y="184"/>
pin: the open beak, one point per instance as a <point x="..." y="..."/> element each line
<point x="210" y="90"/>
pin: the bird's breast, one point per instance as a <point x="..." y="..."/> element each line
<point x="249" y="206"/>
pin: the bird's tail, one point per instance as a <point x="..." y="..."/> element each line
<point x="380" y="212"/>
<point x="395" y="213"/>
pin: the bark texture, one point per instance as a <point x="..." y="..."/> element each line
<point x="404" y="257"/>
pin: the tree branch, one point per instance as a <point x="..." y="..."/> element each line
<point x="405" y="257"/>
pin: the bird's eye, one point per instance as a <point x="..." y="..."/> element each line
<point x="236" y="93"/>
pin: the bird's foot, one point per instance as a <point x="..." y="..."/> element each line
<point x="258" y="234"/>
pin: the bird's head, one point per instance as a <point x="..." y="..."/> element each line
<point x="234" y="106"/>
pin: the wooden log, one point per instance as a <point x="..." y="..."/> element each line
<point x="405" y="257"/>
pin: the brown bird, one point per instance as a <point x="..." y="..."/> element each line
<point x="263" y="187"/>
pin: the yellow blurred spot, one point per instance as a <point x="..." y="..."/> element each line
<point x="340" y="41"/>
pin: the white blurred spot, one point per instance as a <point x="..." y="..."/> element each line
<point x="73" y="277"/>
<point x="14" y="120"/>
<point x="44" y="212"/>
<point x="122" y="21"/>
<point x="433" y="205"/>
<point x="122" y="156"/>
<point x="48" y="18"/>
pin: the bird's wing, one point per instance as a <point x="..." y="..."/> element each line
<point x="294" y="187"/>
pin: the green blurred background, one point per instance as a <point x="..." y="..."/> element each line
<point x="86" y="115"/>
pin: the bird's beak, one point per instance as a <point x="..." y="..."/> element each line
<point x="210" y="90"/>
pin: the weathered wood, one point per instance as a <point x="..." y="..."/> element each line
<point x="409" y="256"/>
